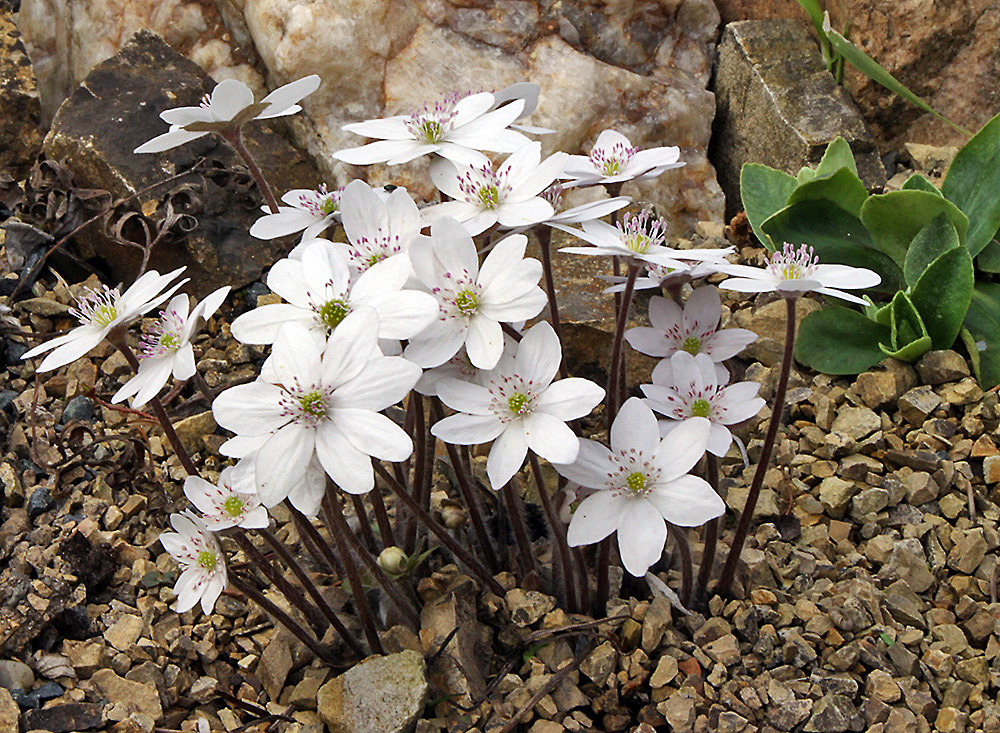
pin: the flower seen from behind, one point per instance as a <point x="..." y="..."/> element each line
<point x="229" y="106"/>
<point x="613" y="159"/>
<point x="456" y="128"/>
<point x="166" y="347"/>
<point x="508" y="196"/>
<point x="195" y="548"/>
<point x="102" y="310"/>
<point x="319" y="406"/>
<point x="686" y="386"/>
<point x="472" y="301"/>
<point x="794" y="271"/>
<point x="520" y="407"/>
<point x="641" y="483"/>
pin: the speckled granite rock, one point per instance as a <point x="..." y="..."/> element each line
<point x="20" y="113"/>
<point x="379" y="695"/>
<point x="116" y="109"/>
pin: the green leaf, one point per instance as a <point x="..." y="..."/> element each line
<point x="838" y="155"/>
<point x="937" y="237"/>
<point x="815" y="12"/>
<point x="805" y="174"/>
<point x="918" y="182"/>
<point x="908" y="339"/>
<point x="764" y="191"/>
<point x="982" y="322"/>
<point x="942" y="296"/>
<point x="895" y="218"/>
<point x="973" y="184"/>
<point x="989" y="259"/>
<point x="838" y="340"/>
<point x="842" y="188"/>
<point x="870" y="68"/>
<point x="837" y="237"/>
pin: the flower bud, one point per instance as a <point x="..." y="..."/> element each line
<point x="392" y="560"/>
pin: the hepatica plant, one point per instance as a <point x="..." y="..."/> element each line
<point x="412" y="338"/>
<point x="936" y="252"/>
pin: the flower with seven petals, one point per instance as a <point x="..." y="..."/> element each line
<point x="519" y="408"/>
<point x="100" y="312"/>
<point x="641" y="483"/>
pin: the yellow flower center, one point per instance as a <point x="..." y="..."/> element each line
<point x="207" y="560"/>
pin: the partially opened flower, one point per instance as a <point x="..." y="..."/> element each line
<point x="377" y="226"/>
<point x="320" y="292"/>
<point x="794" y="271"/>
<point x="637" y="236"/>
<point x="456" y="128"/>
<point x="509" y="196"/>
<point x="614" y="160"/>
<point x="101" y="311"/>
<point x="232" y="502"/>
<point x="693" y="328"/>
<point x="166" y="347"/>
<point x="229" y="106"/>
<point x="195" y="548"/>
<point x="641" y="483"/>
<point x="472" y="301"/>
<point x="319" y="407"/>
<point x="519" y="408"/>
<point x="686" y="386"/>
<point x="307" y="211"/>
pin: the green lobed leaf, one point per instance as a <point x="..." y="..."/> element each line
<point x="842" y="187"/>
<point x="837" y="236"/>
<point x="805" y="174"/>
<point x="908" y="339"/>
<point x="838" y="340"/>
<point x="973" y="184"/>
<point x="894" y="219"/>
<point x="982" y="333"/>
<point x="917" y="182"/>
<point x="871" y="68"/>
<point x="764" y="191"/>
<point x="989" y="259"/>
<point x="838" y="155"/>
<point x="942" y="295"/>
<point x="937" y="237"/>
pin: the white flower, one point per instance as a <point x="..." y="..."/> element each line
<point x="614" y="160"/>
<point x="377" y="226"/>
<point x="319" y="404"/>
<point x="320" y="293"/>
<point x="642" y="483"/>
<point x="528" y="92"/>
<point x="233" y="502"/>
<point x="678" y="273"/>
<point x="509" y="196"/>
<point x="686" y="386"/>
<point x="692" y="329"/>
<point x="229" y="105"/>
<point x="637" y="236"/>
<point x="310" y="212"/>
<point x="520" y="408"/>
<point x="584" y="212"/>
<point x="166" y="347"/>
<point x="456" y="128"/>
<point x="472" y="301"/>
<point x="102" y="310"/>
<point x="792" y="272"/>
<point x="195" y="548"/>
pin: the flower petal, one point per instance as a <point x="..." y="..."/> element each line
<point x="634" y="428"/>
<point x="642" y="545"/>
<point x="687" y="501"/>
<point x="281" y="461"/>
<point x="506" y="456"/>
<point x="373" y="433"/>
<point x="465" y="429"/>
<point x="598" y="516"/>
